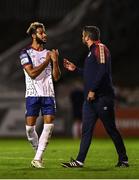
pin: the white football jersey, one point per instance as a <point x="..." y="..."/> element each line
<point x="42" y="85"/>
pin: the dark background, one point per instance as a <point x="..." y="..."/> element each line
<point x="64" y="19"/>
<point x="117" y="20"/>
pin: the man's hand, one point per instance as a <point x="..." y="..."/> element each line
<point x="68" y="65"/>
<point x="91" y="96"/>
<point x="48" y="57"/>
<point x="54" y="55"/>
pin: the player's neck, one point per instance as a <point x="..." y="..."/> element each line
<point x="36" y="46"/>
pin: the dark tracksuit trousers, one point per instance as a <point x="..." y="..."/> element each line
<point x="103" y="108"/>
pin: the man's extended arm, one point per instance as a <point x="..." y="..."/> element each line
<point x="72" y="67"/>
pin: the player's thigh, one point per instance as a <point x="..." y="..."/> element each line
<point x="33" y="105"/>
<point x="48" y="107"/>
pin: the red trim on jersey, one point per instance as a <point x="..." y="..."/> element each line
<point x="96" y="42"/>
<point x="97" y="52"/>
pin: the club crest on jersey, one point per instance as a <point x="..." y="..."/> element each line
<point x="89" y="54"/>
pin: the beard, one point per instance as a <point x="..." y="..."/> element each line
<point x="40" y="41"/>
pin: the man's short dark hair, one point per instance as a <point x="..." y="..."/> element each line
<point x="93" y="32"/>
<point x="33" y="27"/>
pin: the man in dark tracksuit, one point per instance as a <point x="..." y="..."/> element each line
<point x="99" y="97"/>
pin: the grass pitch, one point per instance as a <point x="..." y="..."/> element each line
<point x="16" y="154"/>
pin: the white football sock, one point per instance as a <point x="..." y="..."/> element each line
<point x="43" y="141"/>
<point x="32" y="136"/>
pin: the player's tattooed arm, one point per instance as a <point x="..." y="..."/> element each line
<point x="33" y="72"/>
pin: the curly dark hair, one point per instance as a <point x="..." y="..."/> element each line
<point x="33" y="27"/>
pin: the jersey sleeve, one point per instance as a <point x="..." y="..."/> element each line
<point x="102" y="57"/>
<point x="24" y="58"/>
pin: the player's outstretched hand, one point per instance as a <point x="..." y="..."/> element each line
<point x="69" y="65"/>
